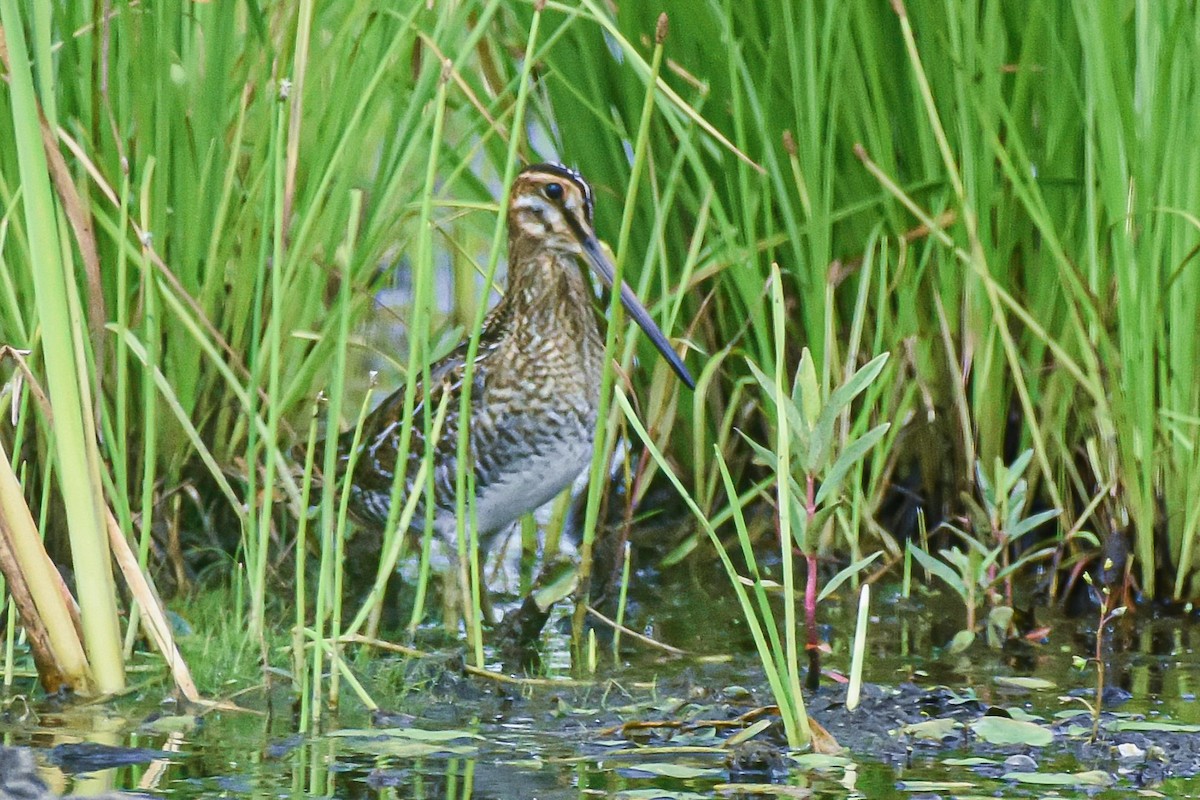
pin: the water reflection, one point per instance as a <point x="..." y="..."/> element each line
<point x="567" y="743"/>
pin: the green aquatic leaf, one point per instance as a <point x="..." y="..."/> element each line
<point x="412" y="734"/>
<point x="680" y="771"/>
<point x="936" y="729"/>
<point x="761" y="790"/>
<point x="1094" y="777"/>
<point x="941" y="570"/>
<point x="1150" y="725"/>
<point x="1023" y="682"/>
<point x="748" y="733"/>
<point x="403" y="748"/>
<point x="1002" y="730"/>
<point x="817" y="761"/>
<point x="961" y="641"/>
<point x="935" y="786"/>
<point x="1019" y="713"/>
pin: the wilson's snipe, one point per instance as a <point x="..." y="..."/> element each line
<point x="536" y="385"/>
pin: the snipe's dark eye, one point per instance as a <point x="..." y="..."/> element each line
<point x="554" y="191"/>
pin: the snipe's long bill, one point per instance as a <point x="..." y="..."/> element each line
<point x="536" y="384"/>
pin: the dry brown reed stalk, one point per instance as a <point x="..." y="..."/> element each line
<point x="34" y="584"/>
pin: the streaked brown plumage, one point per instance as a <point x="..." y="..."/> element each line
<point x="536" y="380"/>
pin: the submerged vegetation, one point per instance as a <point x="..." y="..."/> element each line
<point x="933" y="265"/>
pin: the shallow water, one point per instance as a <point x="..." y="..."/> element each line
<point x="566" y="740"/>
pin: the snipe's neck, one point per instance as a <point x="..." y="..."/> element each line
<point x="542" y="281"/>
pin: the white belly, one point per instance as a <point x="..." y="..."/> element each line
<point x="537" y="481"/>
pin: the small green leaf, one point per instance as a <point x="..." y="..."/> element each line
<point x="801" y="532"/>
<point x="941" y="570"/>
<point x="764" y="381"/>
<point x="681" y="771"/>
<point x="1029" y="556"/>
<point x="749" y="733"/>
<point x="766" y="454"/>
<point x="415" y="734"/>
<point x="1001" y="617"/>
<point x="799" y="519"/>
<point x="1147" y="725"/>
<point x="798" y="430"/>
<point x="961" y="641"/>
<point x="1094" y="777"/>
<point x="936" y="729"/>
<point x="961" y="561"/>
<point x="1016" y="712"/>
<point x="985" y="486"/>
<point x="681" y="551"/>
<point x="823" y="429"/>
<point x="1015" y="470"/>
<point x="815" y="761"/>
<point x="560" y="584"/>
<point x="851" y="455"/>
<point x="1031" y="522"/>
<point x="807" y="391"/>
<point x="798" y="426"/>
<point x="846" y="574"/>
<point x="1002" y="730"/>
<point x="1016" y="503"/>
<point x="856" y="383"/>
<point x="1019" y="682"/>
<point x="817" y="452"/>
<point x="822" y="433"/>
<point x="936" y="787"/>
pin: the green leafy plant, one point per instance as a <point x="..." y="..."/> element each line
<point x="811" y="463"/>
<point x="813" y="452"/>
<point x="813" y="424"/>
<point x="1104" y="617"/>
<point x="976" y="570"/>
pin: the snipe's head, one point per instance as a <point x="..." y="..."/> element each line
<point x="552" y="206"/>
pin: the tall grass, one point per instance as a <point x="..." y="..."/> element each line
<point x="65" y="358"/>
<point x="1002" y="194"/>
<point x="1024" y="162"/>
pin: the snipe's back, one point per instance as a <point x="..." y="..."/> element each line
<point x="536" y="382"/>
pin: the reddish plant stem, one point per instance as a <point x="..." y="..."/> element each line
<point x="810" y="590"/>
